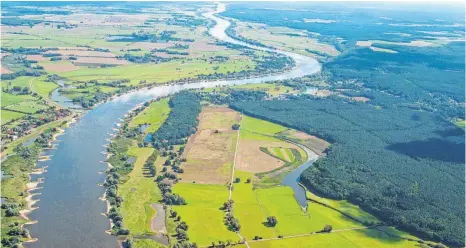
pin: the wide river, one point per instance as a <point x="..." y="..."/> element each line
<point x="70" y="212"/>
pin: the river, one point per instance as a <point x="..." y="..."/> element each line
<point x="70" y="212"/>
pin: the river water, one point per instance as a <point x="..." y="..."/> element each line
<point x="70" y="212"/>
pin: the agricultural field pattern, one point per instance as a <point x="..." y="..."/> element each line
<point x="232" y="124"/>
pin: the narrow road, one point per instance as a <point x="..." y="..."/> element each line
<point x="310" y="234"/>
<point x="234" y="157"/>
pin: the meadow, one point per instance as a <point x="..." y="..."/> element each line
<point x="202" y="212"/>
<point x="138" y="192"/>
<point x="153" y="116"/>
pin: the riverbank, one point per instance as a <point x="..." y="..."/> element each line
<point x="93" y="131"/>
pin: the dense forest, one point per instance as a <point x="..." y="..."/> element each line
<point x="432" y="76"/>
<point x="352" y="22"/>
<point x="182" y="121"/>
<point x="403" y="165"/>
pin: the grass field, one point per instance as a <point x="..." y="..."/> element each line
<point x="158" y="73"/>
<point x="202" y="212"/>
<point x="367" y="238"/>
<point x="9" y="99"/>
<point x="250" y="126"/>
<point x="9" y="115"/>
<point x="43" y="88"/>
<point x="280" y="202"/>
<point x="345" y="207"/>
<point x="147" y="243"/>
<point x="248" y="210"/>
<point x="154" y="116"/>
<point x="284" y="154"/>
<point x="138" y="192"/>
<point x="28" y="107"/>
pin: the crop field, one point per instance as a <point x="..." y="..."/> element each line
<point x="138" y="192"/>
<point x="202" y="212"/>
<point x="59" y="66"/>
<point x="210" y="151"/>
<point x="284" y="154"/>
<point x="254" y="134"/>
<point x="312" y="142"/>
<point x="154" y="116"/>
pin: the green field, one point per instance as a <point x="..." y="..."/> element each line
<point x="9" y="115"/>
<point x="202" y="212"/>
<point x="154" y="115"/>
<point x="146" y="243"/>
<point x="252" y="128"/>
<point x="28" y="107"/>
<point x="280" y="202"/>
<point x="43" y="88"/>
<point x="158" y="73"/>
<point x="138" y="192"/>
<point x="367" y="238"/>
<point x="345" y="207"/>
<point x="9" y="99"/>
<point x="284" y="154"/>
<point x="248" y="210"/>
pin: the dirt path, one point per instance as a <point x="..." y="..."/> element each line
<point x="157" y="223"/>
<point x="234" y="158"/>
<point x="310" y="234"/>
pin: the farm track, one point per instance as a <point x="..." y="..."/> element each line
<point x="234" y="159"/>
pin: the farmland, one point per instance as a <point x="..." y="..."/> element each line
<point x="323" y="125"/>
<point x="210" y="151"/>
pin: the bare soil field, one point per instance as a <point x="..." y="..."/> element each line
<point x="83" y="61"/>
<point x="250" y="158"/>
<point x="360" y="98"/>
<point x="60" y="67"/>
<point x="4" y="70"/>
<point x="83" y="53"/>
<point x="36" y="57"/>
<point x="210" y="151"/>
<point x="312" y="142"/>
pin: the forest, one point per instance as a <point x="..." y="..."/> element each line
<point x="425" y="75"/>
<point x="182" y="121"/>
<point x="405" y="166"/>
<point x="352" y="22"/>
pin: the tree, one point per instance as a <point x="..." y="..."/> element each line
<point x="272" y="221"/>
<point x="128" y="243"/>
<point x="327" y="228"/>
<point x="237" y="180"/>
<point x="235" y="126"/>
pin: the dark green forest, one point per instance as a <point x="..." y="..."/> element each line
<point x="182" y="121"/>
<point x="403" y="165"/>
<point x="430" y="76"/>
